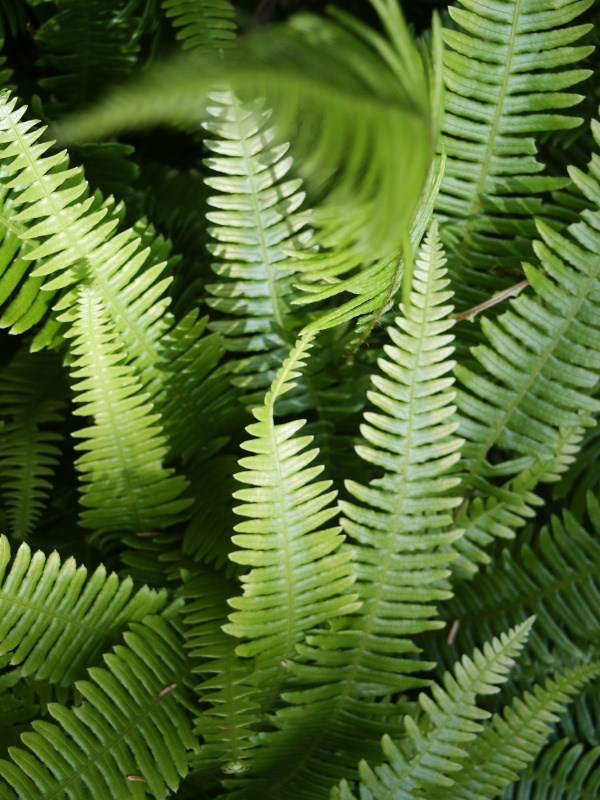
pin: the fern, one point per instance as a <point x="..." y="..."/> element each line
<point x="55" y="621"/>
<point x="202" y="24"/>
<point x="129" y="729"/>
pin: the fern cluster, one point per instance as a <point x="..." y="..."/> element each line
<point x="298" y="399"/>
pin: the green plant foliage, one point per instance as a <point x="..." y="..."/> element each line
<point x="299" y="391"/>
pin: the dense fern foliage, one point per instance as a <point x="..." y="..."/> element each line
<point x="299" y="390"/>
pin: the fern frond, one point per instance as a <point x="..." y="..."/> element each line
<point x="541" y="356"/>
<point x="561" y="772"/>
<point x="130" y="728"/>
<point x="511" y="740"/>
<point x="554" y="577"/>
<point x="31" y="403"/>
<point x="436" y="749"/>
<point x="299" y="576"/>
<point x="360" y="109"/>
<point x="507" y="69"/>
<point x="85" y="47"/>
<point x="256" y="220"/>
<point x="75" y="236"/>
<point x="230" y="704"/>
<point x="124" y="485"/>
<point x="55" y="620"/>
<point x="202" y="24"/>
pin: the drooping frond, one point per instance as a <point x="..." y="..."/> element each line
<point x="75" y="235"/>
<point x="202" y="24"/>
<point x="31" y="403"/>
<point x="542" y="356"/>
<point x="436" y="748"/>
<point x="561" y="772"/>
<point x="508" y="67"/>
<point x="55" y="620"/>
<point x="361" y="110"/>
<point x="131" y="728"/>
<point x="257" y="218"/>
<point x="300" y="577"/>
<point x="124" y="483"/>
<point x="555" y="577"/>
<point x="230" y="709"/>
<point x="510" y="741"/>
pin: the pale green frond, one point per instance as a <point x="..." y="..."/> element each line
<point x="124" y="483"/>
<point x="508" y="69"/>
<point x="437" y="746"/>
<point x="257" y="217"/>
<point x="561" y="772"/>
<point x="359" y="108"/>
<point x="202" y="24"/>
<point x="131" y="728"/>
<point x="32" y="403"/>
<point x="300" y="577"/>
<point x="55" y="620"/>
<point x="510" y="741"/>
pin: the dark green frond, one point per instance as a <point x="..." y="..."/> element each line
<point x="561" y="772"/>
<point x="124" y="483"/>
<point x="511" y="740"/>
<point x="32" y="402"/>
<point x="357" y="106"/>
<point x="202" y="24"/>
<point x="437" y="747"/>
<point x="55" y="620"/>
<point x="508" y="67"/>
<point x="131" y="728"/>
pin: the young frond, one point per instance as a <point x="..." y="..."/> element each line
<point x="359" y="108"/>
<point x="55" y="620"/>
<point x="124" y="484"/>
<point x="436" y="749"/>
<point x="508" y="67"/>
<point x="202" y="24"/>
<point x="300" y="577"/>
<point x="31" y="404"/>
<point x="131" y="728"/>
<point x="510" y="741"/>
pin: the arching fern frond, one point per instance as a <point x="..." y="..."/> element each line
<point x="361" y="110"/>
<point x="507" y="68"/>
<point x="131" y="728"/>
<point x="561" y="772"/>
<point x="299" y="576"/>
<point x="31" y="403"/>
<point x="202" y="24"/>
<point x="55" y="620"/>
<point x="510" y="741"/>
<point x="124" y="484"/>
<point x="436" y="748"/>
